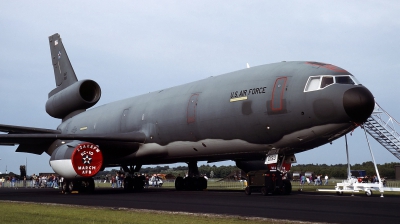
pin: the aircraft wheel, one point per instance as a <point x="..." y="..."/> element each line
<point x="368" y="193"/>
<point x="287" y="187"/>
<point x="200" y="183"/>
<point x="247" y="190"/>
<point x="65" y="187"/>
<point x="128" y="184"/>
<point x="138" y="184"/>
<point x="90" y="185"/>
<point x="203" y="183"/>
<point x="71" y="186"/>
<point x="179" y="184"/>
<point x="340" y="193"/>
<point x="264" y="191"/>
<point x="196" y="184"/>
<point x="188" y="183"/>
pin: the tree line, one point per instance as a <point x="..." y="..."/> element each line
<point x="386" y="170"/>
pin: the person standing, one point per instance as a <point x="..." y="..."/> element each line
<point x="117" y="179"/>
<point x="13" y="180"/>
<point x="113" y="181"/>
<point x="121" y="181"/>
<point x="326" y="179"/>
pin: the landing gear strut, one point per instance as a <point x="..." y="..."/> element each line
<point x="131" y="182"/>
<point x="193" y="182"/>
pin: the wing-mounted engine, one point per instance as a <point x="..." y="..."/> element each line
<point x="79" y="96"/>
<point x="77" y="159"/>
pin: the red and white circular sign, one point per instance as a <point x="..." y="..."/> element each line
<point x="87" y="159"/>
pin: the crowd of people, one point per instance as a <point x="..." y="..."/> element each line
<point x="35" y="181"/>
<point x="117" y="180"/>
<point x="316" y="180"/>
<point x="371" y="179"/>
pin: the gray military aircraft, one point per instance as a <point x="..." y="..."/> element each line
<point x="255" y="116"/>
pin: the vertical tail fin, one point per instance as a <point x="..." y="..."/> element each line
<point x="63" y="72"/>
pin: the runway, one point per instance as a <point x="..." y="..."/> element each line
<point x="301" y="206"/>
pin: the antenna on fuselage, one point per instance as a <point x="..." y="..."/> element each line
<point x="248" y="66"/>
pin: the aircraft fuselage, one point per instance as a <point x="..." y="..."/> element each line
<point x="239" y="115"/>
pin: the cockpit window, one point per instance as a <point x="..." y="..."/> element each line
<point x="344" y="80"/>
<point x="326" y="81"/>
<point x="312" y="84"/>
<point x="319" y="82"/>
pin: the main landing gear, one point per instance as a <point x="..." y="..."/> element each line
<point x="84" y="185"/>
<point x="132" y="182"/>
<point x="193" y="182"/>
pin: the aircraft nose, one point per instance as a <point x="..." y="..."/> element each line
<point x="358" y="103"/>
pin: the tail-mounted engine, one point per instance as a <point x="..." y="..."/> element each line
<point x="77" y="159"/>
<point x="79" y="96"/>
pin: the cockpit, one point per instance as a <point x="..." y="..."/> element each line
<point x="322" y="81"/>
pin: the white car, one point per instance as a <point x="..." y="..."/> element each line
<point x="155" y="181"/>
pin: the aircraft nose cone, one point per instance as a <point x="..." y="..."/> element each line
<point x="358" y="103"/>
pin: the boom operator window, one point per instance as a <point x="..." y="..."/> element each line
<point x="320" y="82"/>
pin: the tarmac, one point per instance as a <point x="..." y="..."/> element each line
<point x="299" y="206"/>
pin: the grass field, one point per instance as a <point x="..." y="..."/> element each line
<point x="16" y="212"/>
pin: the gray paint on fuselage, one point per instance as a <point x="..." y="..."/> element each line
<point x="162" y="115"/>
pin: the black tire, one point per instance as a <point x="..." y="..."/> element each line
<point x="200" y="183"/>
<point x="368" y="193"/>
<point x="65" y="187"/>
<point x="286" y="187"/>
<point x="90" y="185"/>
<point x="196" y="184"/>
<point x="340" y="193"/>
<point x="203" y="183"/>
<point x="179" y="184"/>
<point x="138" y="184"/>
<point x="72" y="186"/>
<point x="188" y="184"/>
<point x="264" y="191"/>
<point x="128" y="184"/>
<point x="247" y="190"/>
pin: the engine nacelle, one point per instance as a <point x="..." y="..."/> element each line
<point x="77" y="159"/>
<point x="79" y="96"/>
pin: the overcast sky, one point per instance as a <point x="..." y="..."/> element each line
<point x="135" y="47"/>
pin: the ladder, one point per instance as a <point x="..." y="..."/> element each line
<point x="382" y="127"/>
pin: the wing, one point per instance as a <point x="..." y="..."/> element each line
<point x="37" y="140"/>
<point x="41" y="138"/>
<point x="11" y="129"/>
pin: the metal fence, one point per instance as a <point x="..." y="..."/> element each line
<point x="211" y="184"/>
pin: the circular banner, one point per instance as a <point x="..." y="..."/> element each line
<point x="87" y="159"/>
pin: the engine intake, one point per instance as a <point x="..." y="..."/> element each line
<point x="79" y="96"/>
<point x="77" y="160"/>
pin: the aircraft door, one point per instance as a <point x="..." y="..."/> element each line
<point x="191" y="108"/>
<point x="277" y="104"/>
